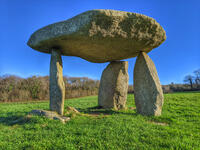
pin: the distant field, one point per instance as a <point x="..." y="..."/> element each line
<point x="177" y="128"/>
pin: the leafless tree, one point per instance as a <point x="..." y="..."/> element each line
<point x="197" y="77"/>
<point x="189" y="79"/>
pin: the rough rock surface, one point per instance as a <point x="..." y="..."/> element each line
<point x="50" y="115"/>
<point x="57" y="87"/>
<point x="100" y="35"/>
<point x="72" y="109"/>
<point x="147" y="89"/>
<point x="114" y="85"/>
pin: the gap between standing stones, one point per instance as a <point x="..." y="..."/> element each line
<point x="114" y="86"/>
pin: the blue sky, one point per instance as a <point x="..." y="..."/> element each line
<point x="178" y="56"/>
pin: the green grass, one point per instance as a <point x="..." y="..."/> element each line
<point x="118" y="130"/>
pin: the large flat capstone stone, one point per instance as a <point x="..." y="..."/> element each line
<point x="114" y="85"/>
<point x="100" y="35"/>
<point x="147" y="89"/>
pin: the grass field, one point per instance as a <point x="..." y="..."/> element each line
<point x="177" y="128"/>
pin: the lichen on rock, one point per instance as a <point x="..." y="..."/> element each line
<point x="148" y="92"/>
<point x="100" y="35"/>
<point x="114" y="86"/>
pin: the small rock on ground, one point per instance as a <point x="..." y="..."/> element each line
<point x="50" y="114"/>
<point x="72" y="109"/>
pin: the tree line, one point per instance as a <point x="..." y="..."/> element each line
<point x="14" y="88"/>
<point x="193" y="80"/>
<point x="191" y="83"/>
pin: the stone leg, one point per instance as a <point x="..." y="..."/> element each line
<point x="114" y="85"/>
<point x="147" y="89"/>
<point x="56" y="85"/>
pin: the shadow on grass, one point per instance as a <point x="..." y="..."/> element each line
<point x="100" y="111"/>
<point x="13" y="119"/>
<point x="21" y="119"/>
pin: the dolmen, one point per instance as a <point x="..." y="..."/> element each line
<point x="101" y="36"/>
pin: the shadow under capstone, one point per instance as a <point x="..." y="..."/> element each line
<point x="98" y="110"/>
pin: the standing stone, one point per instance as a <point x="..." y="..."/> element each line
<point x="114" y="85"/>
<point x="57" y="87"/>
<point x="147" y="89"/>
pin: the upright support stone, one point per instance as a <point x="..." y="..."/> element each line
<point x="147" y="89"/>
<point x="114" y="85"/>
<point x="57" y="86"/>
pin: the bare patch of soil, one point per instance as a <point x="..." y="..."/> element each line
<point x="158" y="123"/>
